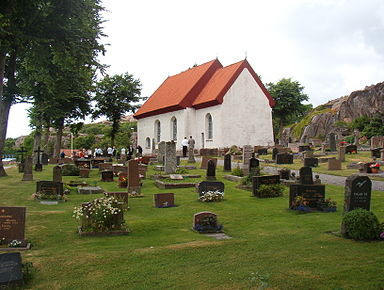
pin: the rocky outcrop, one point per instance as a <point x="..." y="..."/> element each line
<point x="365" y="102"/>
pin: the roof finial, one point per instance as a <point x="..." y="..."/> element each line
<point x="217" y="56"/>
<point x="245" y="55"/>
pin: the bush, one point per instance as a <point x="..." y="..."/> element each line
<point x="360" y="224"/>
<point x="238" y="172"/>
<point x="70" y="170"/>
<point x="273" y="190"/>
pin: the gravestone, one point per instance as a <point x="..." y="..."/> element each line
<point x="306" y="175"/>
<point x="227" y="162"/>
<point x="89" y="189"/>
<point x="12" y="223"/>
<point x="163" y="200"/>
<point x="303" y="148"/>
<point x="11" y="275"/>
<point x="204" y="161"/>
<point x="254" y="166"/>
<point x="96" y="161"/>
<point x="50" y="188"/>
<point x="275" y="151"/>
<point x="285" y="173"/>
<point x="57" y="176"/>
<point x="357" y="193"/>
<point x="44" y="158"/>
<point x="332" y="141"/>
<point x="247" y="155"/>
<point x="311" y="162"/>
<point x="161" y="153"/>
<point x="206" y="222"/>
<point x="83" y="163"/>
<point x="349" y="149"/>
<point x="38" y="165"/>
<point x="284" y="158"/>
<point x="211" y="170"/>
<point x="356" y="134"/>
<point x="334" y="164"/>
<point x="205" y="186"/>
<point x="377" y="142"/>
<point x="170" y="160"/>
<point x="191" y="149"/>
<point x="176" y="177"/>
<point x="107" y="175"/>
<point x="22" y="161"/>
<point x="133" y="179"/>
<point x="266" y="179"/>
<point x="312" y="193"/>
<point x="105" y="166"/>
<point x="341" y="153"/>
<point x="21" y="166"/>
<point x="376" y="152"/>
<point x="84" y="172"/>
<point x="28" y="175"/>
<point x="308" y="153"/>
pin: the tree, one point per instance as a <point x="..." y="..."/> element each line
<point x="289" y="97"/>
<point x="115" y="96"/>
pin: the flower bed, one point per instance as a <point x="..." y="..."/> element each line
<point x="211" y="196"/>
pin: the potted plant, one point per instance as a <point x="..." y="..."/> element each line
<point x="375" y="167"/>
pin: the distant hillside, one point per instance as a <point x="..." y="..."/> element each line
<point x="327" y="118"/>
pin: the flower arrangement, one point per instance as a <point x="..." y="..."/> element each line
<point x="2" y="241"/>
<point x="375" y="165"/>
<point x="301" y="204"/>
<point x="327" y="205"/>
<point x="100" y="215"/>
<point x="208" y="225"/>
<point x="15" y="244"/>
<point x="44" y="196"/>
<point x="212" y="196"/>
<point x="123" y="181"/>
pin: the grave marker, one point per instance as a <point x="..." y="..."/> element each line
<point x="206" y="222"/>
<point x="265" y="179"/>
<point x="247" y="155"/>
<point x="133" y="179"/>
<point x="107" y="175"/>
<point x="357" y="193"/>
<point x="50" y="188"/>
<point x="284" y="158"/>
<point x="227" y="162"/>
<point x="311" y="162"/>
<point x="349" y="149"/>
<point x="170" y="160"/>
<point x="163" y="200"/>
<point x="28" y="175"/>
<point x="306" y="175"/>
<point x="341" y="153"/>
<point x="334" y="164"/>
<point x="205" y="186"/>
<point x="12" y="223"/>
<point x="38" y="165"/>
<point x="312" y="193"/>
<point x="11" y="275"/>
<point x="332" y="141"/>
<point x="211" y="170"/>
<point x="57" y="176"/>
<point x="204" y="161"/>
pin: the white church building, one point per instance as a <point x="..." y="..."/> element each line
<point x="218" y="106"/>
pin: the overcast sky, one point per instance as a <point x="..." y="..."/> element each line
<point x="332" y="47"/>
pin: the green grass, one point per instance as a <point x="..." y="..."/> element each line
<point x="286" y="249"/>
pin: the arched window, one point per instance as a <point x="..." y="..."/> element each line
<point x="209" y="126"/>
<point x="157" y="131"/>
<point x="174" y="129"/>
<point x="147" y="143"/>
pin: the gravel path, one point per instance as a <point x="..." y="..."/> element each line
<point x="325" y="178"/>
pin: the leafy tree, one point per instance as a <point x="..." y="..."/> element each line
<point x="369" y="126"/>
<point x="9" y="147"/>
<point x="86" y="142"/>
<point x="289" y="98"/>
<point x="115" y="96"/>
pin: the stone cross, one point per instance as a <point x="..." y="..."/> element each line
<point x="38" y="165"/>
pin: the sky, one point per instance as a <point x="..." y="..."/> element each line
<point x="331" y="47"/>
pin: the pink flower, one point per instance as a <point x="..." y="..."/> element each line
<point x="382" y="235"/>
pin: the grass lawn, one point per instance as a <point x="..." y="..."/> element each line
<point x="323" y="167"/>
<point x="271" y="244"/>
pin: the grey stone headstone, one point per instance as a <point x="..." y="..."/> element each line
<point x="57" y="176"/>
<point x="161" y="153"/>
<point x="341" y="153"/>
<point x="247" y="154"/>
<point x="28" y="175"/>
<point x="332" y="141"/>
<point x="170" y="160"/>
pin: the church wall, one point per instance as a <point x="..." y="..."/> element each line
<point x="246" y="114"/>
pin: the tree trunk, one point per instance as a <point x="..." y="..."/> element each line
<point x="59" y="135"/>
<point x="36" y="142"/>
<point x="4" y="113"/>
<point x="46" y="137"/>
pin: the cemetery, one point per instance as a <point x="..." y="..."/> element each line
<point x="191" y="173"/>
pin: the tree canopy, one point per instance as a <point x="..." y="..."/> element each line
<point x="115" y="96"/>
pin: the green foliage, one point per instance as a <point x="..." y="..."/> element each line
<point x="341" y="124"/>
<point x="70" y="170"/>
<point x="360" y="123"/>
<point x="272" y="190"/>
<point x="115" y="96"/>
<point x="361" y="224"/>
<point x="86" y="142"/>
<point x="298" y="129"/>
<point x="9" y="146"/>
<point x="369" y="126"/>
<point x="28" y="144"/>
<point x="94" y="129"/>
<point x="289" y="96"/>
<point x="237" y="171"/>
<point x="349" y="139"/>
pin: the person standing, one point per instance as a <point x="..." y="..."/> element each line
<point x="130" y="152"/>
<point x="184" y="143"/>
<point x="139" y="151"/>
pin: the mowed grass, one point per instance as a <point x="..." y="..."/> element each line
<point x="270" y="243"/>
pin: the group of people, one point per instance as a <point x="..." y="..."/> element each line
<point x="107" y="152"/>
<point x="187" y="143"/>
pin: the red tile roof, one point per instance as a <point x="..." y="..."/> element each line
<point x="198" y="87"/>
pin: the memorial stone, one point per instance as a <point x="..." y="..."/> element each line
<point x="133" y="178"/>
<point x="163" y="200"/>
<point x="332" y="141"/>
<point x="275" y="151"/>
<point x="227" y="162"/>
<point x="285" y="173"/>
<point x="311" y="162"/>
<point x="191" y="151"/>
<point x="284" y="158"/>
<point x="204" y="161"/>
<point x="303" y="148"/>
<point x="38" y="165"/>
<point x="266" y="179"/>
<point x="84" y="172"/>
<point x="206" y="222"/>
<point x="334" y="164"/>
<point x="49" y="188"/>
<point x="44" y="158"/>
<point x="376" y="152"/>
<point x="12" y="223"/>
<point x="306" y="175"/>
<point x="205" y="186"/>
<point x="161" y="153"/>
<point x="349" y="149"/>
<point x="311" y="193"/>
<point x="120" y="196"/>
<point x="247" y="154"/>
<point x="28" y="175"/>
<point x="211" y="170"/>
<point x="11" y="275"/>
<point x="341" y="153"/>
<point x="357" y="193"/>
<point x="170" y="160"/>
<point x="107" y="175"/>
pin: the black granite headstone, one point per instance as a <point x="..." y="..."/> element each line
<point x="211" y="169"/>
<point x="351" y="149"/>
<point x="206" y="186"/>
<point x="274" y="153"/>
<point x="376" y="152"/>
<point x="312" y="193"/>
<point x="306" y="175"/>
<point x="266" y="179"/>
<point x="303" y="148"/>
<point x="284" y="158"/>
<point x="11" y="274"/>
<point x="227" y="162"/>
<point x="262" y="151"/>
<point x="285" y="173"/>
<point x="311" y="162"/>
<point x="357" y="193"/>
<point x="49" y="187"/>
